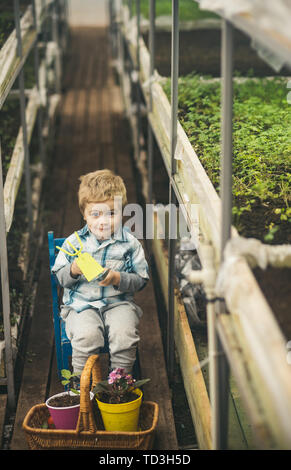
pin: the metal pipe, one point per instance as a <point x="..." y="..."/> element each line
<point x="172" y="196"/>
<point x="150" y="108"/>
<point x="220" y="409"/>
<point x="207" y="277"/>
<point x="120" y="44"/>
<point x="55" y="34"/>
<point x="6" y="299"/>
<point x="137" y="82"/>
<point x="174" y="81"/>
<point x="40" y="113"/>
<point x="226" y="130"/>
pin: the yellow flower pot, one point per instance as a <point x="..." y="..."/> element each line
<point x="122" y="416"/>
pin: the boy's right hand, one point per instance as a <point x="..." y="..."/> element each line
<point x="75" y="270"/>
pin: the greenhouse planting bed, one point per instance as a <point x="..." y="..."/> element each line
<point x="252" y="333"/>
<point x="261" y="149"/>
<point x="261" y="164"/>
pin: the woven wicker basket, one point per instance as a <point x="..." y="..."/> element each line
<point x="89" y="433"/>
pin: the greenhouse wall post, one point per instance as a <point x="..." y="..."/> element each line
<point x="55" y="34"/>
<point x="119" y="41"/>
<point x="6" y="300"/>
<point x="151" y="74"/>
<point x="222" y="386"/>
<point x="113" y="28"/>
<point x="174" y="81"/>
<point x="172" y="195"/>
<point x="137" y="81"/>
<point x="36" y="72"/>
<point x="226" y="129"/>
<point x="23" y="119"/>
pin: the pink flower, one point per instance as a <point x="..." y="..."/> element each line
<point x="129" y="379"/>
<point x="116" y="375"/>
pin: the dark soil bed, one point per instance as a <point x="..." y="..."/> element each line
<point x="254" y="226"/>
<point x="199" y="50"/>
<point x="276" y="286"/>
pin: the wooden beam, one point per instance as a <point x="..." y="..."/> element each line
<point x="248" y="377"/>
<point x="10" y="62"/>
<point x="15" y="170"/>
<point x="263" y="336"/>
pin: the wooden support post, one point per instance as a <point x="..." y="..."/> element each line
<point x="11" y="400"/>
<point x="23" y="121"/>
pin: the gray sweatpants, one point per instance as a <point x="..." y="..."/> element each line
<point x="86" y="332"/>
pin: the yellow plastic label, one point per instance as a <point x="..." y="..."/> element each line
<point x="89" y="266"/>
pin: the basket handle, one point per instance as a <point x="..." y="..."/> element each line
<point x="86" y="421"/>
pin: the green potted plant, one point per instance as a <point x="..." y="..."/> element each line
<point x="119" y="399"/>
<point x="64" y="407"/>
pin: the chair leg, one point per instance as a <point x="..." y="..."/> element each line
<point x="65" y="361"/>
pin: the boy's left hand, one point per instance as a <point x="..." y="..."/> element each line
<point x="112" y="278"/>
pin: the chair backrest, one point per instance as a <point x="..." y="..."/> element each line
<point x="52" y="243"/>
<point x="63" y="345"/>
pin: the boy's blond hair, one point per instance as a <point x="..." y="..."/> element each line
<point x="99" y="186"/>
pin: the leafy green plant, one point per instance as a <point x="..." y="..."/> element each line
<point x="68" y="378"/>
<point x="270" y="235"/>
<point x="188" y="9"/>
<point x="261" y="147"/>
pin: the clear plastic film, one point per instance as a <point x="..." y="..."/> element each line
<point x="268" y="14"/>
<point x="193" y="295"/>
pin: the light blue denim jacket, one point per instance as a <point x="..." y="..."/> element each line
<point x="123" y="252"/>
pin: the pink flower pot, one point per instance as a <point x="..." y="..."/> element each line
<point x="65" y="417"/>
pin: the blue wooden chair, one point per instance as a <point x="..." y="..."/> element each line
<point x="63" y="344"/>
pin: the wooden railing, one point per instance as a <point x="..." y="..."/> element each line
<point x="43" y="28"/>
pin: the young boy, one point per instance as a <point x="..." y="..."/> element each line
<point x="91" y="309"/>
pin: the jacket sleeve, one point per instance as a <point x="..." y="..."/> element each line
<point x="64" y="276"/>
<point x="137" y="276"/>
<point x="131" y="282"/>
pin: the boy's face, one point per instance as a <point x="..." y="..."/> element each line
<point x="103" y="218"/>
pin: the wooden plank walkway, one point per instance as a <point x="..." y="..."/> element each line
<point x="92" y="133"/>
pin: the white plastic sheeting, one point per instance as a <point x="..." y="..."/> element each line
<point x="268" y="15"/>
